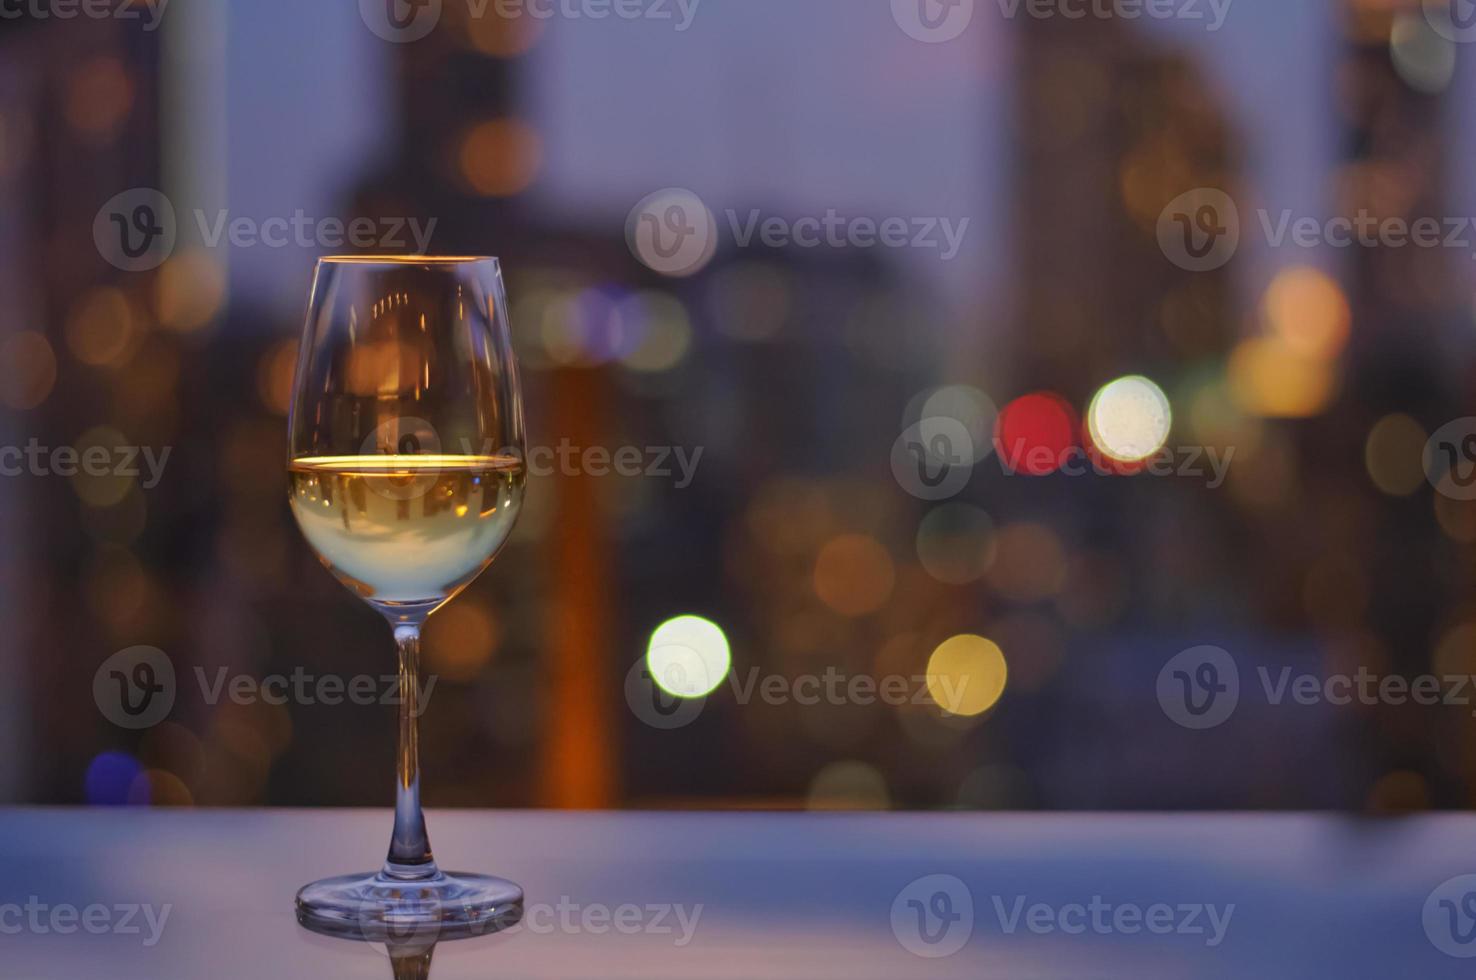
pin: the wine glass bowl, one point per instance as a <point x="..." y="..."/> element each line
<point x="406" y="474"/>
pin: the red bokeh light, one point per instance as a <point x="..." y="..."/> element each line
<point x="1036" y="433"/>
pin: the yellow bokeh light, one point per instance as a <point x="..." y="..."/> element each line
<point x="1308" y="312"/>
<point x="503" y="35"/>
<point x="97" y="481"/>
<point x="102" y="329"/>
<point x="688" y="657"/>
<point x="189" y="290"/>
<point x="500" y="157"/>
<point x="1394" y="455"/>
<point x="1129" y="419"/>
<point x="1272" y="379"/>
<point x="967" y="675"/>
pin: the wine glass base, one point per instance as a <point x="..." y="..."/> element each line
<point x="377" y="908"/>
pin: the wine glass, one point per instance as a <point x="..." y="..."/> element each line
<point x="406" y="476"/>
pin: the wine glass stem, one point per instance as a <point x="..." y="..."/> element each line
<point x="409" y="851"/>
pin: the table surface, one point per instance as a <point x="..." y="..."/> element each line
<point x="616" y="895"/>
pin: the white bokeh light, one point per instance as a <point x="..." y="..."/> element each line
<point x="1129" y="419"/>
<point x="688" y="656"/>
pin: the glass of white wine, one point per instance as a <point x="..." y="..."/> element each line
<point x="406" y="476"/>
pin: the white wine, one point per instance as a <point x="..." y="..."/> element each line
<point x="406" y="529"/>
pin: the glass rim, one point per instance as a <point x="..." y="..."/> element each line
<point x="406" y="259"/>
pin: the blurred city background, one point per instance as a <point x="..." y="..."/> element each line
<point x="1319" y="372"/>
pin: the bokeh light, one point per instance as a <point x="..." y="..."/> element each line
<point x="102" y="329"/>
<point x="27" y="369"/>
<point x="967" y="675"/>
<point x="189" y="290"/>
<point x="955" y="543"/>
<point x="1129" y="419"/>
<point x="1272" y="378"/>
<point x="1424" y="59"/>
<point x="1035" y="433"/>
<point x="688" y="656"/>
<point x="1306" y="310"/>
<point x="461" y="639"/>
<point x="854" y="575"/>
<point x="100" y="95"/>
<point x="848" y="785"/>
<point x="664" y="331"/>
<point x="500" y="157"/>
<point x="110" y="778"/>
<point x="1394" y="455"/>
<point x="970" y="407"/>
